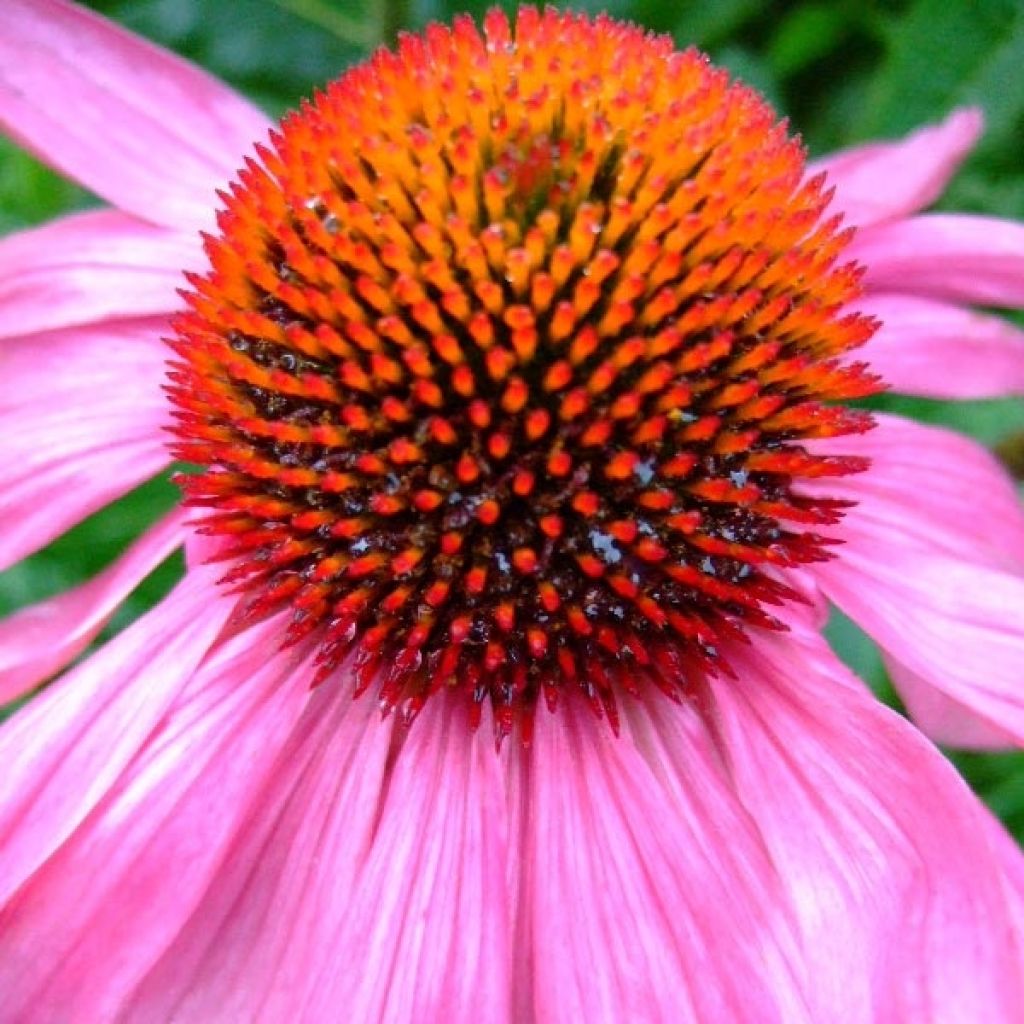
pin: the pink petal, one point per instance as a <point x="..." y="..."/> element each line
<point x="885" y="180"/>
<point x="81" y="414"/>
<point x="647" y="893"/>
<point x="1009" y="853"/>
<point x="932" y="487"/>
<point x="38" y="641"/>
<point x="269" y="915"/>
<point x="885" y="851"/>
<point x="938" y="350"/>
<point x="951" y="256"/>
<point x="942" y="718"/>
<point x="953" y="624"/>
<point x="89" y="921"/>
<point x="353" y="885"/>
<point x="429" y="894"/>
<point x="65" y="749"/>
<point x="384" y="889"/>
<point x="931" y="567"/>
<point x="137" y="125"/>
<point x="90" y="266"/>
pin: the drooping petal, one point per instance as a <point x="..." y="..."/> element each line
<point x="38" y="641"/>
<point x="137" y="125"/>
<point x="948" y="721"/>
<point x="932" y="568"/>
<point x="64" y="750"/>
<point x="91" y="266"/>
<point x="648" y="893"/>
<point x="430" y="892"/>
<point x="352" y="884"/>
<point x="885" y="180"/>
<point x="958" y="257"/>
<point x="1008" y="851"/>
<point x="884" y="849"/>
<point x="954" y="624"/>
<point x="81" y="416"/>
<point x="931" y="348"/>
<point x="255" y="938"/>
<point x="80" y="931"/>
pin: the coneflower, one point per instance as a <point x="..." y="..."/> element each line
<point x="513" y="366"/>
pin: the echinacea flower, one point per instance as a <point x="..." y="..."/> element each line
<point x="511" y="365"/>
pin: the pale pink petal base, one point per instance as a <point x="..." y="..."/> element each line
<point x="38" y="641"/>
<point x="884" y="180"/>
<point x="647" y="889"/>
<point x="260" y="932"/>
<point x="377" y="889"/>
<point x="442" y="815"/>
<point x="137" y="125"/>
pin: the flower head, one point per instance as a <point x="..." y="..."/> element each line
<point x="505" y="360"/>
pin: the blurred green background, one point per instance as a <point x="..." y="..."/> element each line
<point x="843" y="72"/>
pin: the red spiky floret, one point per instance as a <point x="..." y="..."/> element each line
<point x="503" y="362"/>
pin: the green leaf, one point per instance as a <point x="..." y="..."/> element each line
<point x="941" y="55"/>
<point x="858" y="651"/>
<point x="805" y="35"/>
<point x="753" y="70"/>
<point x="31" y="193"/>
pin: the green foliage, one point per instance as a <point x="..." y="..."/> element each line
<point x="29" y="192"/>
<point x="842" y="70"/>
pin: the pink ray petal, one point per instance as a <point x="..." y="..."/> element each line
<point x="355" y="886"/>
<point x="648" y="891"/>
<point x="409" y="878"/>
<point x="346" y="885"/>
<point x="430" y="892"/>
<point x="85" y="925"/>
<point x="64" y="750"/>
<point x="943" y="718"/>
<point x="38" y="641"/>
<point x="81" y="414"/>
<point x="270" y="913"/>
<point x="140" y="127"/>
<point x="932" y="568"/>
<point x="1008" y="851"/>
<point x="884" y="849"/>
<point x="954" y="624"/>
<point x="885" y="180"/>
<point x="91" y="266"/>
<point x="938" y="350"/>
<point x="929" y="486"/>
<point x="959" y="257"/>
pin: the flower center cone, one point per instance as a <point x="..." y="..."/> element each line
<point x="501" y="371"/>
